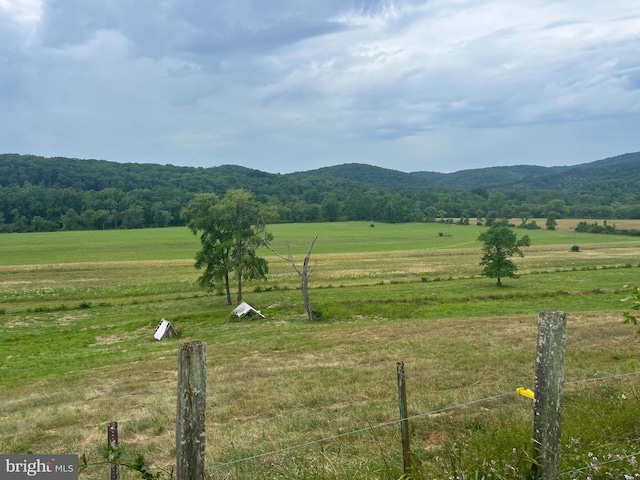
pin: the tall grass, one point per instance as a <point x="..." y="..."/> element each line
<point x="76" y="352"/>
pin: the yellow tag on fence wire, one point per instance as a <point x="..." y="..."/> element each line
<point x="525" y="392"/>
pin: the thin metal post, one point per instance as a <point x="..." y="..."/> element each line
<point x="112" y="441"/>
<point x="404" y="422"/>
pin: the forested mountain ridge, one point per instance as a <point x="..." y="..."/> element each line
<point x="490" y="178"/>
<point x="62" y="172"/>
<point x="625" y="168"/>
<point x="42" y="194"/>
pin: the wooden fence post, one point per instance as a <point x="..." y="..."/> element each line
<point x="191" y="411"/>
<point x="404" y="422"/>
<point x="547" y="409"/>
<point x="112" y="442"/>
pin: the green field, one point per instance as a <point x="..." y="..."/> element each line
<point x="78" y="311"/>
<point x="179" y="243"/>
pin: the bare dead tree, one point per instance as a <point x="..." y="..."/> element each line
<point x="304" y="272"/>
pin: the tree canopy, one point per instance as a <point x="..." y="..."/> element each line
<point x="230" y="231"/>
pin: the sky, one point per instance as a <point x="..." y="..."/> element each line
<point x="294" y="85"/>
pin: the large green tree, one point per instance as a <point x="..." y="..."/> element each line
<point x="556" y="207"/>
<point x="243" y="220"/>
<point x="230" y="230"/>
<point x="213" y="256"/>
<point x="500" y="243"/>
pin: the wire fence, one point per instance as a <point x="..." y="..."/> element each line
<point x="412" y="417"/>
<point x="618" y="458"/>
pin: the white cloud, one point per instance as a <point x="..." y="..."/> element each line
<point x="25" y="13"/>
<point x="295" y="83"/>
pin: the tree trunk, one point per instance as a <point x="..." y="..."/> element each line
<point x="304" y="273"/>
<point x="239" y="287"/>
<point x="228" y="288"/>
<point x="305" y="296"/>
<point x="305" y="281"/>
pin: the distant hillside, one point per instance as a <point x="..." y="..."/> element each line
<point x="491" y="178"/>
<point x="620" y="170"/>
<point x="375" y="176"/>
<point x="46" y="194"/>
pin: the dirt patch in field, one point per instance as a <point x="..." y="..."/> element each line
<point x="435" y="440"/>
<point x="66" y="319"/>
<point x="111" y="339"/>
<point x="107" y="340"/>
<point x="16" y="323"/>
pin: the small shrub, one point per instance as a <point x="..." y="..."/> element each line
<point x="530" y="226"/>
<point x="3" y="311"/>
<point x="575" y="248"/>
<point x="84" y="305"/>
<point x="630" y="315"/>
<point x="45" y="309"/>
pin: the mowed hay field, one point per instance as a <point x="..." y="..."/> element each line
<point x="78" y="311"/>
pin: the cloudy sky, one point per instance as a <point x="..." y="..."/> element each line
<point x="292" y="85"/>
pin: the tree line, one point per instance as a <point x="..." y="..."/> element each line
<point x="38" y="194"/>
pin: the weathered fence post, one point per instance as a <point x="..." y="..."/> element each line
<point x="112" y="442"/>
<point x="191" y="408"/>
<point x="547" y="409"/>
<point x="404" y="422"/>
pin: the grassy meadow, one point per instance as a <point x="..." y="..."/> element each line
<point x="78" y="311"/>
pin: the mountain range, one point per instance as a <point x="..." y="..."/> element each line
<point x="622" y="171"/>
<point x="47" y="194"/>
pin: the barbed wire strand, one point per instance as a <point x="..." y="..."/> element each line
<point x="599" y="464"/>
<point x="620" y="375"/>
<point x="395" y="422"/>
